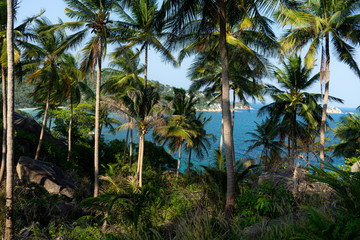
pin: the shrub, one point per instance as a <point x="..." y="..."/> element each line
<point x="263" y="201"/>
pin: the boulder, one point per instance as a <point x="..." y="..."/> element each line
<point x="355" y="167"/>
<point x="294" y="181"/>
<point x="50" y="176"/>
<point x="31" y="126"/>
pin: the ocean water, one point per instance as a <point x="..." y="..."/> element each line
<point x="244" y="123"/>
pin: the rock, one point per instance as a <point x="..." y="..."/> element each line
<point x="355" y="167"/>
<point x="50" y="176"/>
<point x="257" y="230"/>
<point x="31" y="126"/>
<point x="294" y="181"/>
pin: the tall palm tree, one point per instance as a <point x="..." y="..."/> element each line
<point x="143" y="27"/>
<point x="93" y="16"/>
<point x="20" y="33"/>
<point x="218" y="14"/>
<point x="292" y="105"/>
<point x="9" y="222"/>
<point x="124" y="75"/>
<point x="48" y="52"/>
<point x="324" y="22"/>
<point x="74" y="75"/>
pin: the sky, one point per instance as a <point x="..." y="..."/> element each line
<point x="344" y="83"/>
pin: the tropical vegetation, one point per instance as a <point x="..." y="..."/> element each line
<point x="119" y="142"/>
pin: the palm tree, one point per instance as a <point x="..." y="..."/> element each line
<point x="323" y="22"/>
<point x="9" y="223"/>
<point x="73" y="74"/>
<point x="292" y="101"/>
<point x="124" y="75"/>
<point x="218" y="14"/>
<point x="20" y="33"/>
<point x="201" y="142"/>
<point x="143" y="27"/>
<point x="348" y="132"/>
<point x="179" y="128"/>
<point x="143" y="106"/>
<point x="94" y="16"/>
<point x="265" y="136"/>
<point x="48" y="53"/>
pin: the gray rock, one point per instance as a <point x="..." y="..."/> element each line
<point x="355" y="167"/>
<point x="31" y="126"/>
<point x="50" y="176"/>
<point x="294" y="181"/>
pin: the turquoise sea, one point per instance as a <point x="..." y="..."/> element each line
<point x="244" y="122"/>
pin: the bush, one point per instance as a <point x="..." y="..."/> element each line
<point x="263" y="201"/>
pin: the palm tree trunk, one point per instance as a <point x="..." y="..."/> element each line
<point x="44" y="121"/>
<point x="232" y="126"/>
<point x="140" y="158"/>
<point x="226" y="115"/>
<point x="70" y="128"/>
<point x="325" y="103"/>
<point x="126" y="143"/>
<point x="97" y="127"/>
<point x="146" y="64"/>
<point x="130" y="147"/>
<point x="189" y="159"/>
<point x="9" y="223"/>
<point x="3" y="155"/>
<point x="221" y="138"/>
<point x="179" y="161"/>
<point x="293" y="141"/>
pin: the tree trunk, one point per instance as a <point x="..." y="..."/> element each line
<point x="232" y="126"/>
<point x="221" y="138"/>
<point x="179" y="162"/>
<point x="189" y="159"/>
<point x="293" y="141"/>
<point x="70" y="128"/>
<point x="37" y="154"/>
<point x="140" y="159"/>
<point x="97" y="127"/>
<point x="226" y="115"/>
<point x="130" y="147"/>
<point x="325" y="103"/>
<point x="9" y="223"/>
<point x="146" y="64"/>
<point x="126" y="143"/>
<point x="3" y="155"/>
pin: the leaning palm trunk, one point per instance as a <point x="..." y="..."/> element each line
<point x="326" y="98"/>
<point x="232" y="126"/>
<point x="9" y="223"/>
<point x="97" y="127"/>
<point x="37" y="154"/>
<point x="179" y="161"/>
<point x="226" y="115"/>
<point x="70" y="128"/>
<point x="3" y="155"/>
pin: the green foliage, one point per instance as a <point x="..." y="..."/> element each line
<point x="157" y="157"/>
<point x="263" y="201"/>
<point x="343" y="221"/>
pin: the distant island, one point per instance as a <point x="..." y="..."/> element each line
<point x="334" y="110"/>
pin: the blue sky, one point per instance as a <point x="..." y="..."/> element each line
<point x="343" y="82"/>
